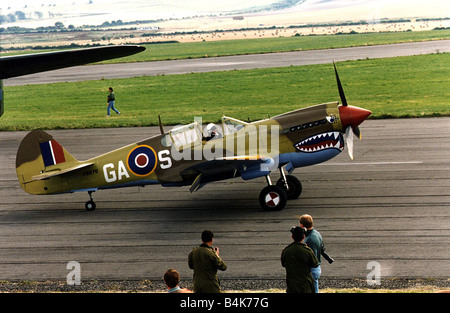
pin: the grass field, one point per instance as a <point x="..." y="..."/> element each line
<point x="157" y="52"/>
<point x="413" y="86"/>
<point x="202" y="49"/>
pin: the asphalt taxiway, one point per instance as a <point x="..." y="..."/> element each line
<point x="229" y="63"/>
<point x="390" y="206"/>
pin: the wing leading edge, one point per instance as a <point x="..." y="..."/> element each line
<point x="19" y="65"/>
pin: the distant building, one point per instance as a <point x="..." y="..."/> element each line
<point x="238" y="18"/>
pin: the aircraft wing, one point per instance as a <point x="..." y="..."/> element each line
<point x="242" y="158"/>
<point x="18" y="65"/>
<point x="246" y="166"/>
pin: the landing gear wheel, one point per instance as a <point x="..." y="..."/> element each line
<point x="90" y="205"/>
<point x="295" y="187"/>
<point x="273" y="198"/>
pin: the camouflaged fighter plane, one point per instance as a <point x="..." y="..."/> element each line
<point x="189" y="155"/>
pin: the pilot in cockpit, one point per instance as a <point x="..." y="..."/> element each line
<point x="211" y="132"/>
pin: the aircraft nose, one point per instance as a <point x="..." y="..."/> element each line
<point x="353" y="116"/>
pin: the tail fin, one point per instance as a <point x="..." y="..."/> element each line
<point x="38" y="157"/>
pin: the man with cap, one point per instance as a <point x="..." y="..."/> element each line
<point x="298" y="260"/>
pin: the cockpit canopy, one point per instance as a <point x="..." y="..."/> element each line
<point x="193" y="134"/>
<point x="231" y="125"/>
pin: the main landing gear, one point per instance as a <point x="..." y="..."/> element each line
<point x="90" y="205"/>
<point x="274" y="197"/>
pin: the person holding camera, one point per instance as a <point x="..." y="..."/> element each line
<point x="205" y="262"/>
<point x="314" y="241"/>
<point x="298" y="259"/>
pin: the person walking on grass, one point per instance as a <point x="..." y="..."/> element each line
<point x="111" y="100"/>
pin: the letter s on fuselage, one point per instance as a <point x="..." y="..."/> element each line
<point x="164" y="159"/>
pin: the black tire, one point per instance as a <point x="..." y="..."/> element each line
<point x="90" y="205"/>
<point x="295" y="187"/>
<point x="273" y="198"/>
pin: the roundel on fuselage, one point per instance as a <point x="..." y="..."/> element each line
<point x="142" y="160"/>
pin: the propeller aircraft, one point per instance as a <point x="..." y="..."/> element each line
<point x="189" y="155"/>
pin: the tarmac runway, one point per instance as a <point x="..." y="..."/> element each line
<point x="239" y="62"/>
<point x="390" y="205"/>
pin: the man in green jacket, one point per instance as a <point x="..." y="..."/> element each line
<point x="298" y="260"/>
<point x="205" y="262"/>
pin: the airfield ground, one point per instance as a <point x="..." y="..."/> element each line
<point x="180" y="98"/>
<point x="232" y="286"/>
<point x="390" y="191"/>
<point x="391" y="195"/>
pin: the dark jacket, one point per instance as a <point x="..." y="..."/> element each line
<point x="298" y="259"/>
<point x="111" y="97"/>
<point x="205" y="263"/>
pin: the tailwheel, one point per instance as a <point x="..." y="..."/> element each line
<point x="273" y="198"/>
<point x="294" y="186"/>
<point x="90" y="205"/>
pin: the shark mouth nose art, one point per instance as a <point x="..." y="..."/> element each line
<point x="329" y="140"/>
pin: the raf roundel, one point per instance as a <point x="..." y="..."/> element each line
<point x="142" y="160"/>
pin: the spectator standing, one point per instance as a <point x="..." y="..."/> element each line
<point x="205" y="261"/>
<point x="172" y="279"/>
<point x="315" y="242"/>
<point x="298" y="260"/>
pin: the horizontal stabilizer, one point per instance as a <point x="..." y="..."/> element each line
<point x="48" y="175"/>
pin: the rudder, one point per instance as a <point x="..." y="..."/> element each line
<point x="39" y="153"/>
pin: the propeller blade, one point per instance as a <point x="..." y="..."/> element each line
<point x="348" y="137"/>
<point x="341" y="90"/>
<point x="357" y="132"/>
